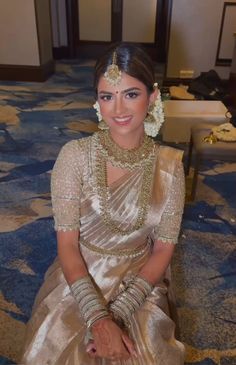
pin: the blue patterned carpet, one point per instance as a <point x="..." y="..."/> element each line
<point x="35" y="121"/>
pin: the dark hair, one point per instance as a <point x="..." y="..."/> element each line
<point x="131" y="59"/>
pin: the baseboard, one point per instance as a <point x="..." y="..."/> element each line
<point x="61" y="52"/>
<point x="27" y="73"/>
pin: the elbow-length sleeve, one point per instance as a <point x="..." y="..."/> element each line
<point x="169" y="227"/>
<point x="66" y="185"/>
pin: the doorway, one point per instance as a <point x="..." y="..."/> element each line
<point x="95" y="24"/>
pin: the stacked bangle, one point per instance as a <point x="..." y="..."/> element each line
<point x="130" y="300"/>
<point x="91" y="305"/>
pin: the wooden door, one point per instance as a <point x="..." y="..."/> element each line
<point x="94" y="24"/>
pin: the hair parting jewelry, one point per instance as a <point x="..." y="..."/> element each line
<point x="113" y="73"/>
<point x="91" y="305"/>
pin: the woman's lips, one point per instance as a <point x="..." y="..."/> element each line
<point x="123" y="120"/>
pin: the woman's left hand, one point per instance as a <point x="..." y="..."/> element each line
<point x="110" y="341"/>
<point x="91" y="348"/>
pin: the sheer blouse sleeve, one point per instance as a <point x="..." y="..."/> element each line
<point x="66" y="185"/>
<point x="169" y="227"/>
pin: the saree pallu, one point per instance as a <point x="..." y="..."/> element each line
<point x="56" y="333"/>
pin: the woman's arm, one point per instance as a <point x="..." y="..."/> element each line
<point x="156" y="266"/>
<point x="72" y="263"/>
<point x="167" y="232"/>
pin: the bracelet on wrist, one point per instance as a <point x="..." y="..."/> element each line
<point x="91" y="304"/>
<point x="130" y="299"/>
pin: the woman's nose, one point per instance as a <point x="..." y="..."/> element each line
<point x="119" y="105"/>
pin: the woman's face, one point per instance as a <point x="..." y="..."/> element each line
<point x="124" y="107"/>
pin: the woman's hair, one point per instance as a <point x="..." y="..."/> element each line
<point x="131" y="59"/>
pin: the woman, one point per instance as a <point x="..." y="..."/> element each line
<point x="117" y="202"/>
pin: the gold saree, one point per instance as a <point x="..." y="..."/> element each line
<point x="56" y="333"/>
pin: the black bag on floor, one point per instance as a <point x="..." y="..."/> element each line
<point x="208" y="86"/>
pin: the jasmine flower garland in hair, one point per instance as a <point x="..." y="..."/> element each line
<point x="98" y="112"/>
<point x="155" y="118"/>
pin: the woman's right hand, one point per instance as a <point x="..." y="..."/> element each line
<point x="110" y="341"/>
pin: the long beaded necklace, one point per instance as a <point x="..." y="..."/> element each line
<point x="142" y="157"/>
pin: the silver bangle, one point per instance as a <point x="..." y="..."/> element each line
<point x="91" y="304"/>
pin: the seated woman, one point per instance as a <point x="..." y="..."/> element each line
<point x="117" y="200"/>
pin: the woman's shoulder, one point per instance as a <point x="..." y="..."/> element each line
<point x="77" y="144"/>
<point x="168" y="159"/>
<point x="170" y="153"/>
<point x="75" y="152"/>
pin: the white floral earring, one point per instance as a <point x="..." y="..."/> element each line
<point x="155" y="117"/>
<point x="101" y="125"/>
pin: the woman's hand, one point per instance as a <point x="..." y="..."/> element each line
<point x="110" y="341"/>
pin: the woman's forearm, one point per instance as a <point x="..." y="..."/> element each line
<point x="155" y="267"/>
<point x="72" y="263"/>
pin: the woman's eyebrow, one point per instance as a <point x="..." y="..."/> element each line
<point x="123" y="91"/>
<point x="105" y="92"/>
<point x="131" y="89"/>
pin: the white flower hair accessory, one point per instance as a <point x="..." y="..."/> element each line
<point x="101" y="125"/>
<point x="155" y="117"/>
<point x="98" y="112"/>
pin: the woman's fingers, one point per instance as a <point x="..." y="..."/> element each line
<point x="108" y="340"/>
<point x="129" y="345"/>
<point x="92" y="354"/>
<point x="91" y="349"/>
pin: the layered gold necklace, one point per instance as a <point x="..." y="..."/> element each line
<point x="120" y="157"/>
<point x="142" y="157"/>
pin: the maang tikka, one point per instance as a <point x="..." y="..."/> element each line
<point x="113" y="74"/>
<point x="113" y="77"/>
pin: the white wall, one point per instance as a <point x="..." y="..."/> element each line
<point x="18" y="33"/>
<point x="194" y="34"/>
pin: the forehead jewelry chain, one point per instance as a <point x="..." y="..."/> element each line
<point x="113" y="74"/>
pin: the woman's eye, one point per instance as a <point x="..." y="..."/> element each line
<point x="105" y="97"/>
<point x="132" y="95"/>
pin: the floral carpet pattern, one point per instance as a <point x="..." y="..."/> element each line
<point x="35" y="121"/>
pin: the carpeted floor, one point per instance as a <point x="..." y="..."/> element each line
<point x="35" y="121"/>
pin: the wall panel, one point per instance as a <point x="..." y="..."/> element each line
<point x="18" y="33"/>
<point x="194" y="34"/>
<point x="139" y="20"/>
<point x="95" y="20"/>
